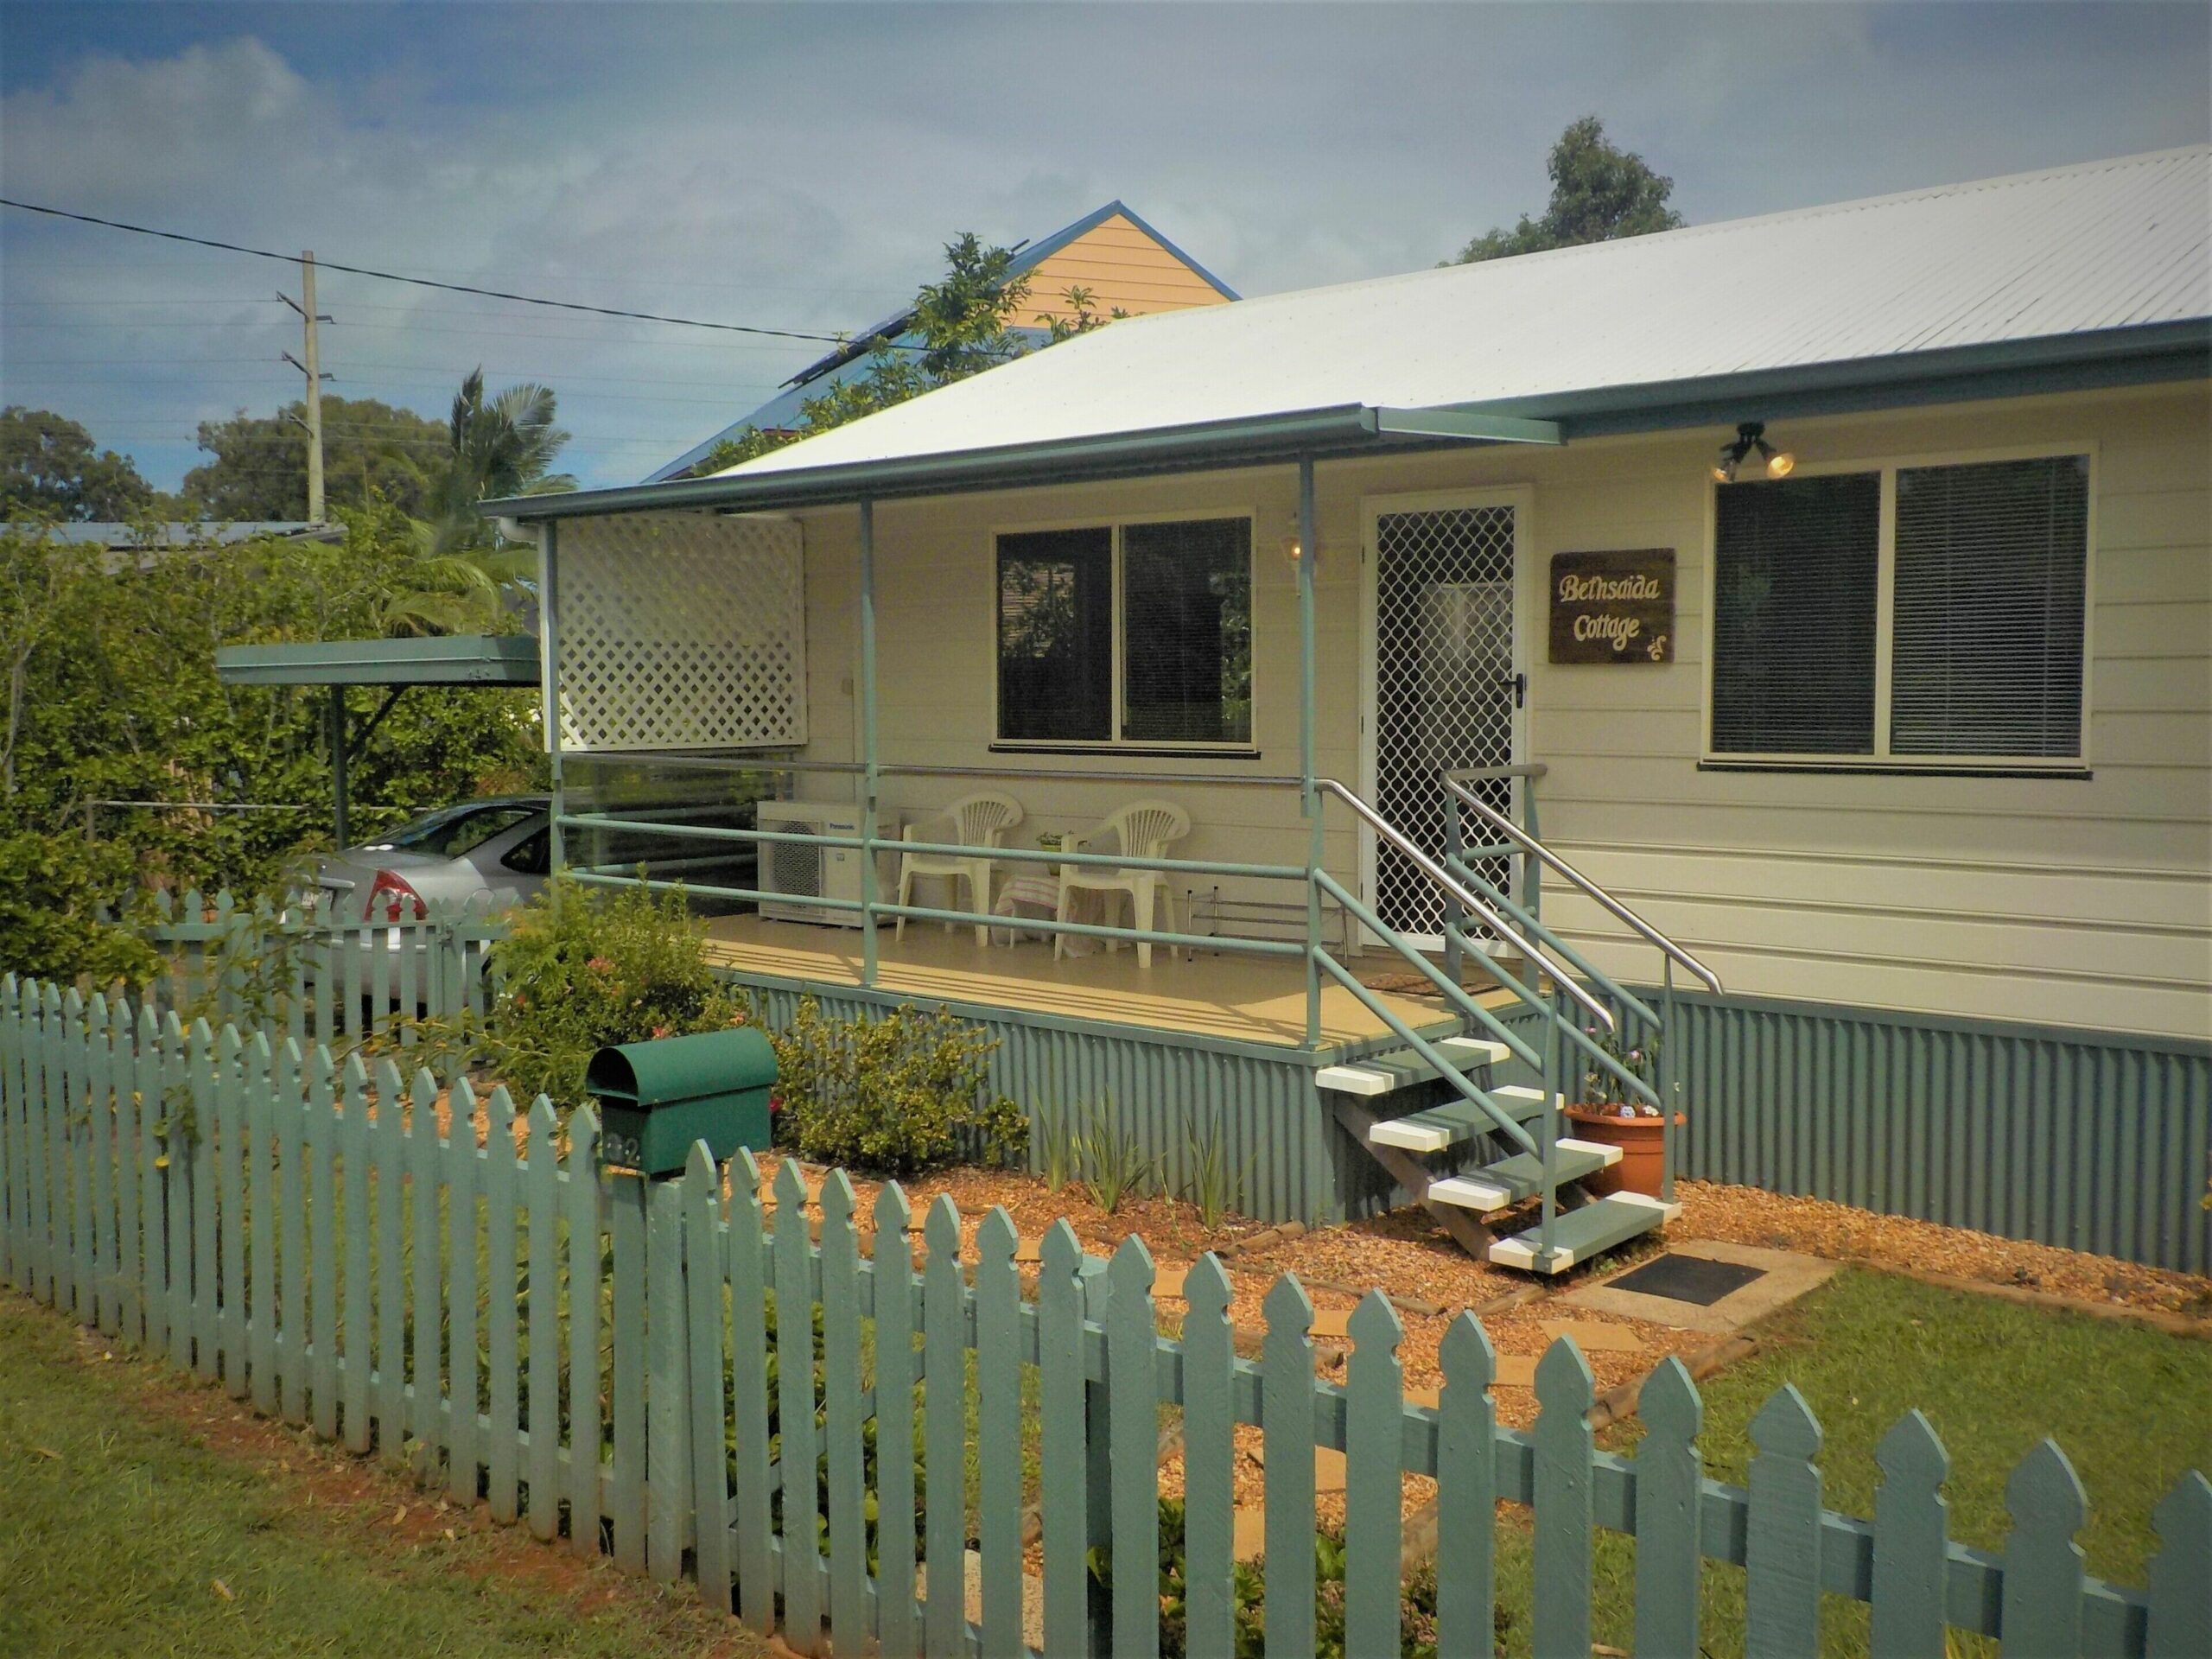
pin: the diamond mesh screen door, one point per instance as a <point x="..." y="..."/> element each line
<point x="1444" y="684"/>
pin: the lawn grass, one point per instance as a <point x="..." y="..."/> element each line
<point x="121" y="1523"/>
<point x="2131" y="1407"/>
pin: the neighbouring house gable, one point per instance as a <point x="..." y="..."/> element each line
<point x="1121" y="262"/>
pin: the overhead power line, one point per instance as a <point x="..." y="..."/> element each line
<point x="421" y="282"/>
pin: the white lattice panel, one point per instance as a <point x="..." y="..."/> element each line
<point x="682" y="631"/>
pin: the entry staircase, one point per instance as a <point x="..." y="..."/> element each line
<point x="1470" y="1122"/>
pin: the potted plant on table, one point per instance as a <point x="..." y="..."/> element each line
<point x="1606" y="1113"/>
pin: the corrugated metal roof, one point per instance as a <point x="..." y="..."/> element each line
<point x="782" y="411"/>
<point x="120" y="535"/>
<point x="2077" y="249"/>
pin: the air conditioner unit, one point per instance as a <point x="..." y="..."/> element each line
<point x="810" y="872"/>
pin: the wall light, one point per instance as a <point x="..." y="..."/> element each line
<point x="1292" y="549"/>
<point x="1751" y="438"/>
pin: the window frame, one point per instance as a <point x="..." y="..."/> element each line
<point x="1881" y="760"/>
<point x="1114" y="743"/>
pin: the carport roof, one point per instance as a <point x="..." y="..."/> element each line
<point x="453" y="659"/>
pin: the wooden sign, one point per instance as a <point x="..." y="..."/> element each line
<point x="1613" y="606"/>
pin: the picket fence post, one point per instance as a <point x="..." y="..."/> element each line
<point x="502" y="1465"/>
<point x="1286" y="1439"/>
<point x="668" y="1433"/>
<point x="123" y="1073"/>
<point x="1565" y="1494"/>
<point x="897" y="1324"/>
<point x="2181" y="1572"/>
<point x="1131" y="1334"/>
<point x="353" y="1145"/>
<point x="586" y="1498"/>
<point x="625" y="1202"/>
<point x="99" y="1145"/>
<point x="1466" y="1488"/>
<point x="263" y="1221"/>
<point x="705" y="1274"/>
<point x="541" y="1183"/>
<point x="463" y="1456"/>
<point x="945" y="1439"/>
<point x="1374" y="1483"/>
<point x="1669" y="1479"/>
<point x="841" y="1389"/>
<point x="2044" y="1566"/>
<point x="1781" y="1568"/>
<point x="1208" y="1462"/>
<point x="424" y="1418"/>
<point x="1062" y="1454"/>
<point x="289" y="1109"/>
<point x="1911" y="1542"/>
<point x="748" y="1297"/>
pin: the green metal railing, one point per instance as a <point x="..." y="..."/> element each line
<point x="1526" y="858"/>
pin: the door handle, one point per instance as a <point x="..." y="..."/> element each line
<point x="1520" y="684"/>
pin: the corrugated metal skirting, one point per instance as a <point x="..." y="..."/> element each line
<point x="2066" y="1137"/>
<point x="1296" y="1163"/>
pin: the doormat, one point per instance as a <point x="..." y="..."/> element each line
<point x="1692" y="1279"/>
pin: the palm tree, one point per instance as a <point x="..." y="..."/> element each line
<point x="501" y="445"/>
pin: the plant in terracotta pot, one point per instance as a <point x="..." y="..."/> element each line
<point x="1609" y="1115"/>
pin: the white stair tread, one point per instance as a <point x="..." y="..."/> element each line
<point x="1384" y="1074"/>
<point x="1578" y="1235"/>
<point x="1454" y="1121"/>
<point x="1497" y="1185"/>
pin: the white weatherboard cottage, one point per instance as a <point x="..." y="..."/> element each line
<point x="1828" y="596"/>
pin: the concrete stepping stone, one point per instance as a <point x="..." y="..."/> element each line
<point x="1329" y="1323"/>
<point x="1247" y="1534"/>
<point x="1432" y="1398"/>
<point x="1168" y="1285"/>
<point x="1516" y="1370"/>
<point x="1593" y="1337"/>
<point x="1028" y="1250"/>
<point x="1328" y="1469"/>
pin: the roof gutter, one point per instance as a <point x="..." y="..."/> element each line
<point x="1342" y="429"/>
<point x="2143" y="354"/>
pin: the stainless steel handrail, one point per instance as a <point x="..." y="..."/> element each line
<point x="1461" y="895"/>
<point x="1612" y="906"/>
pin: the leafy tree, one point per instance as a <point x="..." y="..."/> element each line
<point x="966" y="323"/>
<point x="113" y="696"/>
<point x="49" y="469"/>
<point x="1600" y="193"/>
<point x="371" y="452"/>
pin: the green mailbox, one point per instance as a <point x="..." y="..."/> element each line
<point x="656" y="1098"/>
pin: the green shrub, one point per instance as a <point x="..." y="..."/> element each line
<point x="908" y="1091"/>
<point x="1249" y="1585"/>
<point x="586" y="967"/>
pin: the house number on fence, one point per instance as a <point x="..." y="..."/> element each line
<point x="1613" y="606"/>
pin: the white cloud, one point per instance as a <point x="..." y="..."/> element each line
<point x="800" y="166"/>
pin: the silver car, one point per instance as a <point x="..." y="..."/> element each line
<point x="495" y="851"/>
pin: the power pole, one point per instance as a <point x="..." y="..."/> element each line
<point x="312" y="368"/>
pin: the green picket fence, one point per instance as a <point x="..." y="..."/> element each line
<point x="601" y="1358"/>
<point x="318" y="975"/>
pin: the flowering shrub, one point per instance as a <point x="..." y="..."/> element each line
<point x="586" y="967"/>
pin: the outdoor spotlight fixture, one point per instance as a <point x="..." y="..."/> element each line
<point x="1750" y="439"/>
<point x="1292" y="544"/>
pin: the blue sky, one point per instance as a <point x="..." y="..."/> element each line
<point x="798" y="167"/>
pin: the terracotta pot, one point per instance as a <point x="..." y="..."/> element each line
<point x="1642" y="1149"/>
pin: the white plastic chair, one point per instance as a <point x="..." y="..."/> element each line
<point x="1141" y="830"/>
<point x="975" y="820"/>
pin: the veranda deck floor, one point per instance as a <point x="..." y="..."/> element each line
<point x="1236" y="998"/>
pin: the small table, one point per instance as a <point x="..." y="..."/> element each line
<point x="1025" y="893"/>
